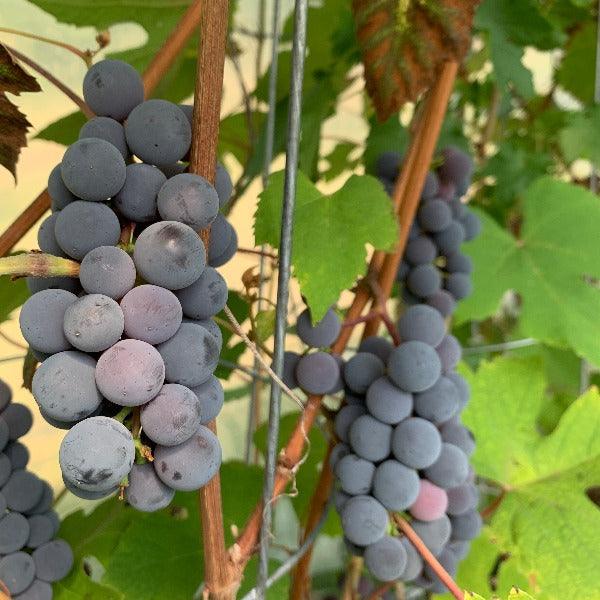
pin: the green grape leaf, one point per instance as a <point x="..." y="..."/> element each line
<point x="388" y="136"/>
<point x="545" y="519"/>
<point x="550" y="266"/>
<point x="339" y="160"/>
<point x="12" y="294"/>
<point x="359" y="213"/>
<point x="576" y="72"/>
<point x="264" y="325"/>
<point x="510" y="71"/>
<point x="65" y="131"/>
<point x="579" y="139"/>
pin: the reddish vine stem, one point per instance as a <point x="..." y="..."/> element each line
<point x="161" y="63"/>
<point x="203" y="159"/>
<point x="380" y="591"/>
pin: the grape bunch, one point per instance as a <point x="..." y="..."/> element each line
<point x="128" y="350"/>
<point x="31" y="557"/>
<point x="434" y="271"/>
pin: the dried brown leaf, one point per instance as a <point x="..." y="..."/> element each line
<point x="404" y="44"/>
<point x="13" y="123"/>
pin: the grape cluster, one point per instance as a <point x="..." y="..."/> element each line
<point x="31" y="557"/>
<point x="129" y="349"/>
<point x="433" y="269"/>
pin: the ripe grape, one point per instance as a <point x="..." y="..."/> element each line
<point x="386" y="559"/>
<point x="370" y="439"/>
<point x="45" y="502"/>
<point x="4" y="435"/>
<point x="96" y="454"/>
<point x="38" y="284"/>
<point x="41" y="530"/>
<point x="158" y="132"/>
<point x="450" y="351"/>
<point x="60" y="195"/>
<point x="53" y="516"/>
<point x="339" y="451"/>
<point x="145" y="491"/>
<point x="210" y="326"/>
<point x="113" y="88"/>
<point x="435" y="534"/>
<point x="22" y="491"/>
<point x="190" y="465"/>
<point x="221" y="233"/>
<point x="321" y="334"/>
<point x="462" y="499"/>
<point x="449" y="561"/>
<point x="173" y="416"/>
<point x="466" y="526"/>
<point x="422" y="323"/>
<point x="364" y="520"/>
<point x="130" y="373"/>
<point x="459" y="285"/>
<point x="431" y="503"/>
<point x="344" y="419"/>
<point x="430" y="187"/>
<point x="355" y="474"/>
<point x="416" y="443"/>
<point x="443" y="302"/>
<point x="339" y="383"/>
<point x="107" y="129"/>
<point x="420" y="250"/>
<point x="53" y="560"/>
<point x="151" y="313"/>
<point x="317" y="373"/>
<point x="459" y="263"/>
<point x="38" y="590"/>
<point x="339" y="499"/>
<point x="190" y="356"/>
<point x="376" y="345"/>
<point x="42" y="317"/>
<point x="414" y="562"/>
<point x="290" y="362"/>
<point x="93" y="323"/>
<point x="449" y="240"/>
<point x="18" y="454"/>
<point x="83" y="226"/>
<point x="460" y="548"/>
<point x="190" y="199"/>
<point x="388" y="403"/>
<point x="19" y="420"/>
<point x="206" y="297"/>
<point x="434" y="215"/>
<point x="6" y="469"/>
<point x="464" y="392"/>
<point x="459" y="435"/>
<point x="387" y="165"/>
<point x="93" y="169"/>
<point x="457" y="167"/>
<point x="438" y="403"/>
<point x="424" y="280"/>
<point x="169" y="254"/>
<point x="472" y="225"/>
<point x="211" y="396"/>
<point x="107" y="270"/>
<point x="218" y="260"/>
<point x="414" y="366"/>
<point x="17" y="572"/>
<point x="395" y="485"/>
<point x="362" y="370"/>
<point x="47" y="238"/>
<point x="223" y="185"/>
<point x="136" y="200"/>
<point x="403" y="271"/>
<point x="14" y="532"/>
<point x="86" y="494"/>
<point x="64" y="386"/>
<point x="450" y="469"/>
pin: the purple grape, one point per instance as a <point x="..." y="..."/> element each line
<point x="47" y="238"/>
<point x="458" y="435"/>
<point x="414" y="366"/>
<point x="317" y="373"/>
<point x="14" y="532"/>
<point x="422" y="323"/>
<point x="362" y="370"/>
<point x="321" y="334"/>
<point x="354" y="474"/>
<point x="451" y="469"/>
<point x="434" y="215"/>
<point x="17" y="572"/>
<point x="107" y="270"/>
<point x="424" y="280"/>
<point x="19" y="420"/>
<point x="438" y="403"/>
<point x="416" y="443"/>
<point x="395" y="485"/>
<point x="107" y="129"/>
<point x="370" y="439"/>
<point x="376" y="345"/>
<point x="462" y="499"/>
<point x="136" y="200"/>
<point x="388" y="403"/>
<point x="206" y="297"/>
<point x="386" y="559"/>
<point x="449" y="240"/>
<point x="145" y="491"/>
<point x="53" y="560"/>
<point x="344" y="419"/>
<point x="364" y="520"/>
<point x="450" y="352"/>
<point x="459" y="285"/>
<point x="211" y="397"/>
<point x="419" y="251"/>
<point x="60" y="195"/>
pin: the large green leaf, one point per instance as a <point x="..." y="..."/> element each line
<point x="579" y="139"/>
<point x="545" y="520"/>
<point x="549" y="266"/>
<point x="359" y="213"/>
<point x="12" y="295"/>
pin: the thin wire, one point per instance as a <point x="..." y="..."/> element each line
<point x="285" y="255"/>
<point x="292" y="561"/>
<point x="269" y="140"/>
<point x="501" y="347"/>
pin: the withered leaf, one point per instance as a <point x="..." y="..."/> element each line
<point x="13" y="123"/>
<point x="404" y="44"/>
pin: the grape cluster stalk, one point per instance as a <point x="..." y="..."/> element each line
<point x="401" y="445"/>
<point x="32" y="557"/>
<point x="128" y="350"/>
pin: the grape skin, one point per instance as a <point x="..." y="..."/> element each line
<point x="387" y="165"/>
<point x="18" y="454"/>
<point x="190" y="356"/>
<point x="6" y="469"/>
<point x="4" y="435"/>
<point x="450" y="352"/>
<point x="472" y="225"/>
<point x="443" y="302"/>
<point x="158" y="132"/>
<point x="86" y="494"/>
<point x="449" y="240"/>
<point x="450" y="470"/>
<point x="438" y="403"/>
<point x="290" y="362"/>
<point x="464" y="392"/>
<point x="414" y="562"/>
<point x="210" y="326"/>
<point x="344" y="419"/>
<point x="112" y="88"/>
<point x="173" y="416"/>
<point x="64" y="386"/>
<point x="38" y="590"/>
<point x="416" y="443"/>
<point x="145" y="491"/>
<point x="459" y="435"/>
<point x="221" y="233"/>
<point x="82" y="226"/>
<point x="42" y="317"/>
<point x="223" y="185"/>
<point x="459" y="285"/>
<point x="370" y="439"/>
<point x="420" y="251"/>
<point x="376" y="345"/>
<point x="388" y="403"/>
<point x="459" y="263"/>
<point x="466" y="526"/>
<point x="364" y="520"/>
<point x="93" y="323"/>
<point x="435" y="534"/>
<point x="169" y="254"/>
<point x="190" y="199"/>
<point x="151" y="313"/>
<point x="101" y="466"/>
<point x="431" y="503"/>
<point x="422" y="323"/>
<point x="60" y="195"/>
<point x="17" y="572"/>
<point x="53" y="560"/>
<point x="206" y="297"/>
<point x="457" y="167"/>
<point x="93" y="169"/>
<point x="339" y="451"/>
<point x="107" y="270"/>
<point x="41" y="530"/>
<point x="433" y="216"/>
<point x="45" y="502"/>
<point x="107" y="129"/>
<point x="136" y="200"/>
<point x="362" y="370"/>
<point x="211" y="396"/>
<point x="386" y="559"/>
<point x="19" y="420"/>
<point x="218" y="260"/>
<point x="321" y="334"/>
<point x="22" y="491"/>
<point x="14" y="532"/>
<point x="191" y="465"/>
<point x="449" y="562"/>
<point x="414" y="366"/>
<point x="317" y="373"/>
<point x="460" y="548"/>
<point x="430" y="187"/>
<point x="462" y="499"/>
<point x="395" y="485"/>
<point x="46" y="237"/>
<point x="424" y="280"/>
<point x="355" y="474"/>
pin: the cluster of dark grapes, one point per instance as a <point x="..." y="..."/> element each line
<point x="128" y="350"/>
<point x="433" y="269"/>
<point x="32" y="558"/>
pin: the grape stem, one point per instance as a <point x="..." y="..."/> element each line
<point x="161" y="63"/>
<point x="352" y="579"/>
<point x="428" y="557"/>
<point x="38" y="264"/>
